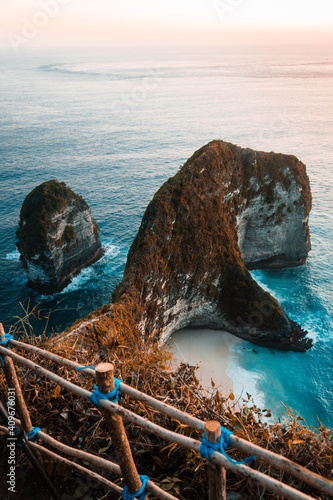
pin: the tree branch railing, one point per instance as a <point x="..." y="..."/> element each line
<point x="315" y="481"/>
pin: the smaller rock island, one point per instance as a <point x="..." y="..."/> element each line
<point x="57" y="236"/>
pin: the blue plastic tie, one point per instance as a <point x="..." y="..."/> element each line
<point x="83" y="368"/>
<point x="141" y="494"/>
<point x="111" y="396"/>
<point x="32" y="434"/>
<point x="7" y="338"/>
<point x="4" y="343"/>
<point x="207" y="448"/>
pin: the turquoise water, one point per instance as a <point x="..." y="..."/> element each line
<point x="115" y="124"/>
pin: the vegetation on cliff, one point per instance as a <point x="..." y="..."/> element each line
<point x="56" y="237"/>
<point x="187" y="245"/>
<point x="36" y="216"/>
<point x="110" y="334"/>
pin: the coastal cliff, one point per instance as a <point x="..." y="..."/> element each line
<point x="56" y="237"/>
<point x="227" y="209"/>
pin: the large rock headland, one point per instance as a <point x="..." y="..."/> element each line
<point x="227" y="210"/>
<point x="56" y="237"/>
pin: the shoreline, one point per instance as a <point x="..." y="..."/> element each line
<point x="207" y="349"/>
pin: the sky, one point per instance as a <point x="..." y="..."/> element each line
<point x="131" y="22"/>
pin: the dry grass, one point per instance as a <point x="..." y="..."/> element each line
<point x="113" y="337"/>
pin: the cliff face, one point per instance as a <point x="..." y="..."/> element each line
<point x="273" y="211"/>
<point x="227" y="208"/>
<point x="57" y="236"/>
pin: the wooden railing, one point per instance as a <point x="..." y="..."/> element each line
<point x="114" y="414"/>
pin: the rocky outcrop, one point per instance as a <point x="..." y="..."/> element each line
<point x="227" y="208"/>
<point x="273" y="215"/>
<point x="57" y="236"/>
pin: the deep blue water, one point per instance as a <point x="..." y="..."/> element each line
<point x="115" y="124"/>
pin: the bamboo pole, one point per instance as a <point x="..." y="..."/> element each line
<point x="189" y="443"/>
<point x="115" y="426"/>
<point x="216" y="474"/>
<point x="278" y="461"/>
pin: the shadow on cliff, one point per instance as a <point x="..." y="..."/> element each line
<point x="227" y="209"/>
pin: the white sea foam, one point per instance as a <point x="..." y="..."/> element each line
<point x="258" y="277"/>
<point x="15" y="255"/>
<point x="245" y="381"/>
<point x="79" y="281"/>
<point x="110" y="251"/>
<point x="186" y="68"/>
<point x="88" y="275"/>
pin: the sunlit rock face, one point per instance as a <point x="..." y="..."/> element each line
<point x="57" y="236"/>
<point x="272" y="220"/>
<point x="227" y="209"/>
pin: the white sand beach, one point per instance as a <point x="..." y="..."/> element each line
<point x="209" y="349"/>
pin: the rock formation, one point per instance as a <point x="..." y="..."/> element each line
<point x="227" y="208"/>
<point x="57" y="236"/>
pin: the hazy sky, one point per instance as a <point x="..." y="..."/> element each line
<point x="59" y="22"/>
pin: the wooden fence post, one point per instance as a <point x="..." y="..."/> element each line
<point x="105" y="383"/>
<point x="216" y="474"/>
<point x="24" y="415"/>
<point x="13" y="383"/>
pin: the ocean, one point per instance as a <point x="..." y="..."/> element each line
<point x="114" y="124"/>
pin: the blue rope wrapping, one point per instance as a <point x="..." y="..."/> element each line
<point x="7" y="338"/>
<point x="83" y="368"/>
<point x="207" y="448"/>
<point x="141" y="494"/>
<point x="111" y="396"/>
<point x="4" y="343"/>
<point x="32" y="434"/>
